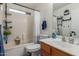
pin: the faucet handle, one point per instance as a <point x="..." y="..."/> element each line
<point x="72" y="32"/>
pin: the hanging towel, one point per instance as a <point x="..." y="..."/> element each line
<point x="44" y="25"/>
<point x="1" y="44"/>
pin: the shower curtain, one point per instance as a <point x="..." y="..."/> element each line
<point x="1" y="44"/>
<point x="36" y="26"/>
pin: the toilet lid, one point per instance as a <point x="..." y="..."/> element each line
<point x="33" y="47"/>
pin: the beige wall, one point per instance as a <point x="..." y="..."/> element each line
<point x="46" y="10"/>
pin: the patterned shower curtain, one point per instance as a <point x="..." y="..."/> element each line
<point x="1" y="44"/>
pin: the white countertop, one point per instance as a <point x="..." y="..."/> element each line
<point x="64" y="46"/>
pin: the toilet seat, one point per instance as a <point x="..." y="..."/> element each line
<point x="32" y="47"/>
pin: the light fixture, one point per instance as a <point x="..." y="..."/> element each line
<point x="17" y="11"/>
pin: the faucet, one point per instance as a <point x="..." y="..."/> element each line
<point x="73" y="32"/>
<point x="71" y="40"/>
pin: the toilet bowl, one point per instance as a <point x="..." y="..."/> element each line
<point x="31" y="48"/>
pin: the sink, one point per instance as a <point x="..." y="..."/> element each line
<point x="62" y="44"/>
<point x="76" y="41"/>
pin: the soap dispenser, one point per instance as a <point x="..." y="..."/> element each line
<point x="54" y="35"/>
<point x="72" y="34"/>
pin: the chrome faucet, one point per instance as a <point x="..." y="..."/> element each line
<point x="73" y="32"/>
<point x="71" y="39"/>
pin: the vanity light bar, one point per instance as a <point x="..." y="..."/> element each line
<point x="17" y="11"/>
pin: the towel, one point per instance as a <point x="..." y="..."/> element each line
<point x="44" y="25"/>
<point x="1" y="44"/>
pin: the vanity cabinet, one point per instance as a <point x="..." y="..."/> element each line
<point x="47" y="50"/>
<point x="57" y="52"/>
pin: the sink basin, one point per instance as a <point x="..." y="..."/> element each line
<point x="62" y="44"/>
<point x="76" y="41"/>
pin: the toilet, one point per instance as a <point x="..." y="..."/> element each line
<point x="32" y="48"/>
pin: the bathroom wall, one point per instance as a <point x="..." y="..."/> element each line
<point x="47" y="13"/>
<point x="45" y="10"/>
<point x="74" y="10"/>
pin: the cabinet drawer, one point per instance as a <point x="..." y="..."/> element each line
<point x="57" y="52"/>
<point x="45" y="47"/>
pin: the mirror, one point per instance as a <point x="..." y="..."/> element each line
<point x="66" y="17"/>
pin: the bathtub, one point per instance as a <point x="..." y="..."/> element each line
<point x="16" y="50"/>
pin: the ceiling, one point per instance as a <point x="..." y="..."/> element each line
<point x="31" y="5"/>
<point x="57" y="6"/>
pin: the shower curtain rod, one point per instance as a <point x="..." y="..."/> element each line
<point x="25" y="7"/>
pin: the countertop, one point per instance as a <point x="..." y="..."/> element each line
<point x="63" y="46"/>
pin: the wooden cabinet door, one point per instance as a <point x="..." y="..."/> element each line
<point x="45" y="49"/>
<point x="44" y="53"/>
